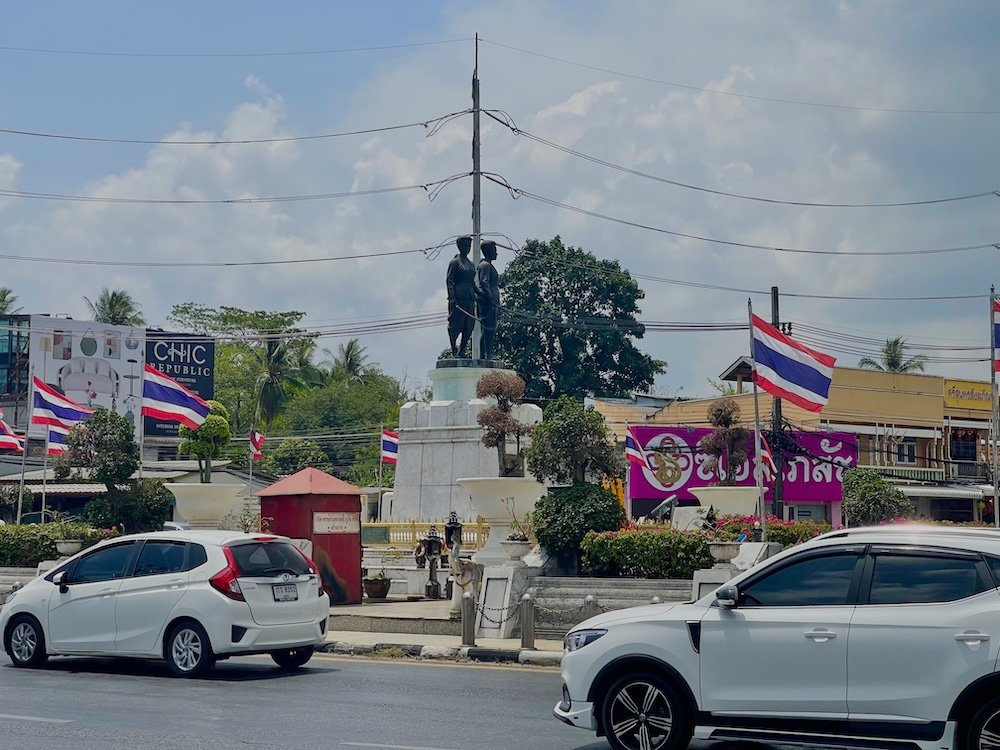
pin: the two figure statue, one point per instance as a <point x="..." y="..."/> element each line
<point x="472" y="293"/>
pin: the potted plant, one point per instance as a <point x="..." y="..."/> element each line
<point x="377" y="586"/>
<point x="726" y="447"/>
<point x="519" y="541"/>
<point x="498" y="421"/>
<point x="66" y="544"/>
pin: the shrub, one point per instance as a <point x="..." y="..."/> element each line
<point x="142" y="505"/>
<point x="635" y="553"/>
<point x="785" y="533"/>
<point x="27" y="545"/>
<point x="869" y="499"/>
<point x="563" y="517"/>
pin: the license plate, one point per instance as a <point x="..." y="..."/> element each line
<point x="285" y="592"/>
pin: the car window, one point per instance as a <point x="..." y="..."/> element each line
<point x="158" y="558"/>
<point x="923" y="579"/>
<point x="104" y="564"/>
<point x="196" y="556"/>
<point x="268" y="559"/>
<point x="815" y="580"/>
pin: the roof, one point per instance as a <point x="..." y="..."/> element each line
<point x="309" y="481"/>
<point x="69" y="488"/>
<point x="967" y="492"/>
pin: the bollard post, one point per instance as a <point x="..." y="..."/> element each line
<point x="655" y="600"/>
<point x="590" y="606"/>
<point x="468" y="619"/>
<point x="527" y="621"/>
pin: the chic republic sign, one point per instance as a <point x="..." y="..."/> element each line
<point x="678" y="464"/>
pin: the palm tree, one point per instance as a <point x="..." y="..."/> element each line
<point x="350" y="361"/>
<point x="7" y="300"/>
<point x="115" y="307"/>
<point x="894" y="359"/>
<point x="279" y="372"/>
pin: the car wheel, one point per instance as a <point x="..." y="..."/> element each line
<point x="984" y="729"/>
<point x="189" y="652"/>
<point x="292" y="658"/>
<point x="644" y="712"/>
<point x="25" y="642"/>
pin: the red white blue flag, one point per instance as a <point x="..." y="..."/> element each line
<point x="996" y="335"/>
<point x="165" y="398"/>
<point x="767" y="458"/>
<point x="787" y="369"/>
<point x="634" y="451"/>
<point x="390" y="446"/>
<point x="51" y="407"/>
<point x="9" y="440"/>
<point x="256" y="443"/>
<point x="56" y="444"/>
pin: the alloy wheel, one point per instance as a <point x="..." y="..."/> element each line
<point x="23" y="642"/>
<point x="640" y="716"/>
<point x="989" y="734"/>
<point x="187" y="649"/>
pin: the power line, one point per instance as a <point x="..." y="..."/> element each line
<point x="701" y="89"/>
<point x="223" y="55"/>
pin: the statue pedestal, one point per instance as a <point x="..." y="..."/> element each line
<point x="441" y="441"/>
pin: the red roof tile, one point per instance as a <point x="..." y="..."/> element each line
<point x="309" y="481"/>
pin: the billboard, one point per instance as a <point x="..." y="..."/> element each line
<point x="187" y="358"/>
<point x="94" y="364"/>
<point x="968" y="394"/>
<point x="678" y="465"/>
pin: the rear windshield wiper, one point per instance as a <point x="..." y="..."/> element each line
<point x="274" y="571"/>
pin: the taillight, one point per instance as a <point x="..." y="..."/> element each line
<point x="225" y="581"/>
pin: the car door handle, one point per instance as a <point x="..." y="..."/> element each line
<point x="104" y="593"/>
<point x="973" y="639"/>
<point x="821" y="635"/>
<point x="176" y="583"/>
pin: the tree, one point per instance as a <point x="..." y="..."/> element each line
<point x="572" y="444"/>
<point x="569" y="322"/>
<point x="562" y="519"/>
<point x="893" y="359"/>
<point x="728" y="440"/>
<point x="498" y="421"/>
<point x="293" y="455"/>
<point x="350" y="361"/>
<point x="141" y="505"/>
<point x="209" y="441"/>
<point x="279" y="371"/>
<point x="7" y="300"/>
<point x="115" y="307"/>
<point x="106" y="445"/>
<point x="869" y="499"/>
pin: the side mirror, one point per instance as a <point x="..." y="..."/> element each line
<point x="727" y="597"/>
<point x="59" y="579"/>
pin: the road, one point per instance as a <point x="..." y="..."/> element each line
<point x="335" y="702"/>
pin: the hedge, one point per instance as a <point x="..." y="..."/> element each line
<point x="635" y="553"/>
<point x="27" y="545"/>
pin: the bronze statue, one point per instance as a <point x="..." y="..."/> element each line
<point x="488" y="297"/>
<point x="461" y="283"/>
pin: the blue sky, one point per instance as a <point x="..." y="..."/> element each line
<point x="850" y="102"/>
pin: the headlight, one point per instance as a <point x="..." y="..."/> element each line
<point x="580" y="638"/>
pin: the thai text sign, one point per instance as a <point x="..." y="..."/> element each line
<point x="336" y="523"/>
<point x="967" y="394"/>
<point x="814" y="476"/>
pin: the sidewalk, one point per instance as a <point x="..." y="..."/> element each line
<point x="424" y="628"/>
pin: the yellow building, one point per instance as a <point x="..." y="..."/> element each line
<point x="929" y="435"/>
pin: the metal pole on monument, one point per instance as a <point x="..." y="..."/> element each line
<point x="994" y="416"/>
<point x="778" y="498"/>
<point x="477" y="207"/>
<point x="249" y="490"/>
<point x="142" y="418"/>
<point x="756" y="430"/>
<point x="45" y="471"/>
<point x="24" y="453"/>
<point x="381" y="434"/>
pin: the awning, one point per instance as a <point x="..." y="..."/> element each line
<point x="956" y="492"/>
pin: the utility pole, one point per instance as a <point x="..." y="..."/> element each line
<point x="777" y="500"/>
<point x="477" y="207"/>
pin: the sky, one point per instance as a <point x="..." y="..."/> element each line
<point x="783" y="103"/>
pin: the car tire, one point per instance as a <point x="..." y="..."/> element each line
<point x="292" y="658"/>
<point x="188" y="651"/>
<point x="25" y="642"/>
<point x="642" y="711"/>
<point x="985" y="725"/>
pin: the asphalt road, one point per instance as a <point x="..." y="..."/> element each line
<point x="335" y="702"/>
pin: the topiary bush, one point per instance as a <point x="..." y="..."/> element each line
<point x="635" y="553"/>
<point x="562" y="518"/>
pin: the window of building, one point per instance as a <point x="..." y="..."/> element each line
<point x="964" y="445"/>
<point x="904" y="451"/>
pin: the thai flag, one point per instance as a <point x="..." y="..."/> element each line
<point x="256" y="443"/>
<point x="996" y="335"/>
<point x="634" y="451"/>
<point x="768" y="459"/>
<point x="785" y="368"/>
<point x="57" y="440"/>
<point x="390" y="446"/>
<point x="51" y="407"/>
<point x="9" y="440"/>
<point x="165" y="398"/>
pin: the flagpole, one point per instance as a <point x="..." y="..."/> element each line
<point x="994" y="416"/>
<point x="381" y="435"/>
<point x="756" y="428"/>
<point x="142" y="418"/>
<point x="249" y="493"/>
<point x="45" y="471"/>
<point x="24" y="453"/>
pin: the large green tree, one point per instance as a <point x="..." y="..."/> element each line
<point x="569" y="324"/>
<point x="572" y="445"/>
<point x="293" y="455"/>
<point x="115" y="307"/>
<point x="869" y="499"/>
<point x="893" y="359"/>
<point x="106" y="445"/>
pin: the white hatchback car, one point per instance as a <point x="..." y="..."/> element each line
<point x="189" y="597"/>
<point x="872" y="637"/>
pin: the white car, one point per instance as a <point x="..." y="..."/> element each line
<point x="872" y="637"/>
<point x="189" y="597"/>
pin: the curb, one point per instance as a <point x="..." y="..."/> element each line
<point x="463" y="653"/>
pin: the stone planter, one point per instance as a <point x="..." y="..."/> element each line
<point x="728" y="501"/>
<point x="515" y="549"/>
<point x="376" y="588"/>
<point x="204" y="505"/>
<point x="723" y="552"/>
<point x="487" y="500"/>
<point x="68" y="547"/>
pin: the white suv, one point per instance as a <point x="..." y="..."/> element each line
<point x="189" y="597"/>
<point x="878" y="637"/>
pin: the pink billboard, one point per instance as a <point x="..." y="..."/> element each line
<point x="812" y="477"/>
